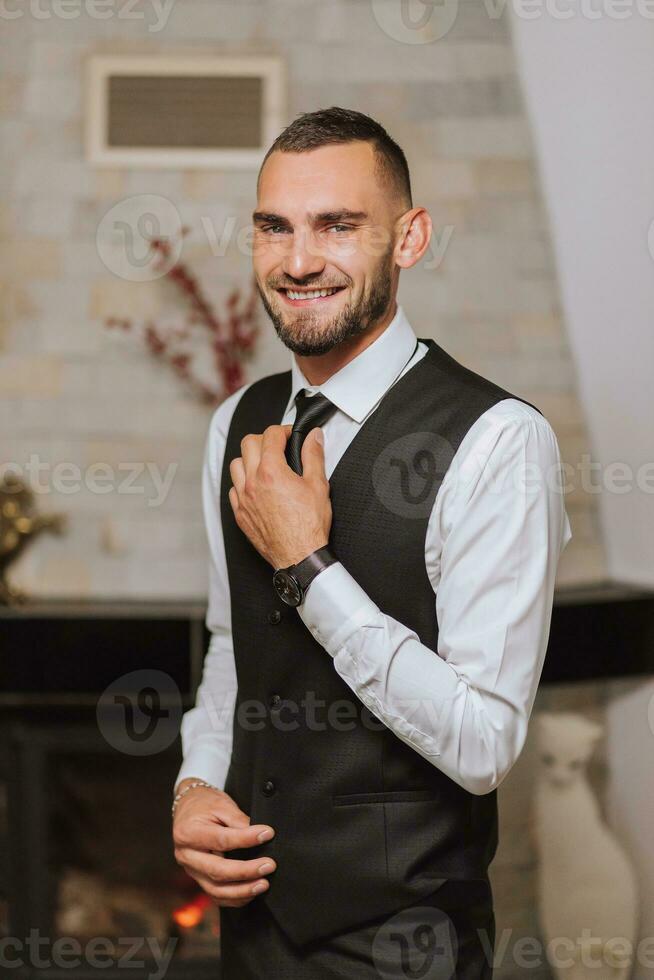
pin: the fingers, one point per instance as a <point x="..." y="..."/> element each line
<point x="233" y="894"/>
<point x="273" y="447"/>
<point x="313" y="456"/>
<point x="223" y="870"/>
<point x="274" y="438"/>
<point x="225" y="809"/>
<point x="231" y="814"/>
<point x="273" y="443"/>
<point x="253" y="446"/>
<point x="250" y="454"/>
<point x="237" y="472"/>
<point x="244" y="467"/>
<point x="207" y="824"/>
<point x="206" y="835"/>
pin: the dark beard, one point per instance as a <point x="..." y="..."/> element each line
<point x="352" y="320"/>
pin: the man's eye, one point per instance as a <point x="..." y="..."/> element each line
<point x="339" y="227"/>
<point x="273" y="228"/>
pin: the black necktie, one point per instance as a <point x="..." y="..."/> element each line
<point x="311" y="410"/>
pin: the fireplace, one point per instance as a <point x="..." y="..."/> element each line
<point x="92" y="695"/>
<point x="91" y="883"/>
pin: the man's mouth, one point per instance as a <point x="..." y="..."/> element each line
<point x="305" y="297"/>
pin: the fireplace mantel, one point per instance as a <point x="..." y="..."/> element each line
<point x="604" y="629"/>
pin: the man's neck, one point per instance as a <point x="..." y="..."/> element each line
<point x="318" y="368"/>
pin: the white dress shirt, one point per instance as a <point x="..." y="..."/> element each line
<point x="494" y="536"/>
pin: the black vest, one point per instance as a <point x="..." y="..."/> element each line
<point x="364" y="824"/>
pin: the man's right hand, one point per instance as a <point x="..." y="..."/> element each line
<point x="207" y="823"/>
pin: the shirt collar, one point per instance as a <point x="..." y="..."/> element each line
<point x="360" y="383"/>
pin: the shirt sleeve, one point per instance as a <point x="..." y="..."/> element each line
<point x="206" y="728"/>
<point x="493" y="542"/>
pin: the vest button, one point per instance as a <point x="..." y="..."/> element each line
<point x="274" y="616"/>
<point x="275" y="701"/>
<point x="268" y="787"/>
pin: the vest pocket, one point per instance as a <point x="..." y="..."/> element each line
<point x="385" y="796"/>
<point x="430" y="838"/>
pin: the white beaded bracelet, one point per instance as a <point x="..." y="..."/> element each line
<point x="194" y="785"/>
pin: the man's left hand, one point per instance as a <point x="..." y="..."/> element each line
<point x="284" y="515"/>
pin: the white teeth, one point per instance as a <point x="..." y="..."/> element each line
<point x="309" y="294"/>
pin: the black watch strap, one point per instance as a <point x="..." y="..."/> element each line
<point x="306" y="570"/>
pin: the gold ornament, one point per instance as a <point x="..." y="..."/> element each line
<point x="19" y="525"/>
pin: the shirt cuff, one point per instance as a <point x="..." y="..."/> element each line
<point x="202" y="762"/>
<point x="335" y="606"/>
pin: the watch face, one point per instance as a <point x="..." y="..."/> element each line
<point x="288" y="588"/>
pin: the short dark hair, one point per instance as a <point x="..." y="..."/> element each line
<point x="336" y="125"/>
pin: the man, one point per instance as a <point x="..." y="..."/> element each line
<point x="384" y="530"/>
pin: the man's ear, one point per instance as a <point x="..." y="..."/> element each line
<point x="414" y="238"/>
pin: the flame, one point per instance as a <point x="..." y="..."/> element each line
<point x="191" y="915"/>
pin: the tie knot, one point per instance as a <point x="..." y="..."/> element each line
<point x="311" y="410"/>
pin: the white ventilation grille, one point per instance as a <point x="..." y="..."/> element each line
<point x="183" y="112"/>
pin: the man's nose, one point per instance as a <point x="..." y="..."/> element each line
<point x="303" y="257"/>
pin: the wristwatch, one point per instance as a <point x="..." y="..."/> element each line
<point x="291" y="583"/>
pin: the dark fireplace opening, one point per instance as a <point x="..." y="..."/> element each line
<point x="92" y="856"/>
<point x="89" y="884"/>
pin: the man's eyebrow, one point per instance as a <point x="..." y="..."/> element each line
<point x="260" y="217"/>
<point x="342" y="214"/>
<point x="316" y="218"/>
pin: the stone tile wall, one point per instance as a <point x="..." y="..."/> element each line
<point x="73" y="392"/>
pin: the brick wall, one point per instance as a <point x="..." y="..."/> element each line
<point x="72" y="391"/>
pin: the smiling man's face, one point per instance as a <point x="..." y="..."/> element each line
<point x="324" y="238"/>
